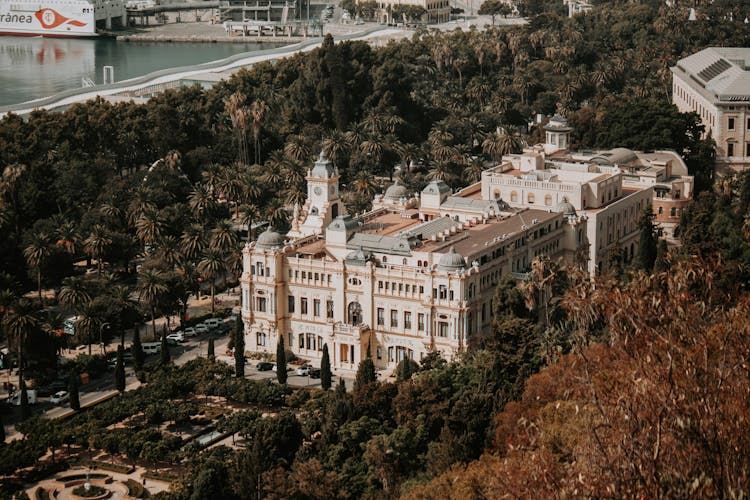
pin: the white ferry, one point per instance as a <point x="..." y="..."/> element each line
<point x="58" y="18"/>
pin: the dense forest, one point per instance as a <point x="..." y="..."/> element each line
<point x="633" y="385"/>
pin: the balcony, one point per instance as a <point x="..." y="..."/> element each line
<point x="355" y="331"/>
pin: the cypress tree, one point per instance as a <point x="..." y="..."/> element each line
<point x="325" y="369"/>
<point x="165" y="356"/>
<point x="211" y="353"/>
<point x="238" y="335"/>
<point x="281" y="361"/>
<point x="137" y="348"/>
<point x="648" y="241"/>
<point x="405" y="369"/>
<point x="120" y="371"/>
<point x="661" y="264"/>
<point x="75" y="401"/>
<point x="365" y="374"/>
<point x="341" y="388"/>
<point x="25" y="413"/>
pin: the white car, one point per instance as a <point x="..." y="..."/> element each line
<point x="59" y="397"/>
<point x="212" y="323"/>
<point x="189" y="332"/>
<point x="176" y="337"/>
<point x="201" y="328"/>
<point x="303" y="371"/>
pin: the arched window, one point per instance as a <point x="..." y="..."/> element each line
<point x="513" y="197"/>
<point x="355" y="313"/>
<point x="404" y="262"/>
<point x="661" y="210"/>
<point x="548" y="200"/>
<point x="531" y="197"/>
<point x="497" y="194"/>
<point x="334" y="210"/>
<point x="385" y="259"/>
<point x="673" y="212"/>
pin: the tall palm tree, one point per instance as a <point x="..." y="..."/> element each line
<point x="297" y="149"/>
<point x="151" y="287"/>
<point x="89" y="323"/>
<point x="18" y="322"/>
<point x="121" y="297"/>
<point x="238" y="114"/>
<point x="168" y="251"/>
<point x="193" y="241"/>
<point x="258" y="110"/>
<point x="97" y="243"/>
<point x="74" y="292"/>
<point x="336" y="147"/>
<point x="223" y="236"/>
<point x="248" y="214"/>
<point x="67" y="237"/>
<point x="473" y="171"/>
<point x="149" y="227"/>
<point x="140" y="204"/>
<point x="212" y="266"/>
<point x="37" y="253"/>
<point x="273" y="174"/>
<point x="201" y="201"/>
<point x="500" y="143"/>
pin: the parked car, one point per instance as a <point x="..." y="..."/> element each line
<point x="303" y="371"/>
<point x="59" y="397"/>
<point x="265" y="366"/>
<point x="201" y="328"/>
<point x="176" y="337"/>
<point x="15" y="399"/>
<point x="189" y="332"/>
<point x="288" y="368"/>
<point x="213" y="323"/>
<point x="314" y="372"/>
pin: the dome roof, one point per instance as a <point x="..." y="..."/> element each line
<point x="566" y="208"/>
<point x="343" y="223"/>
<point x="396" y="192"/>
<point x="436" y="187"/>
<point x="269" y="239"/>
<point x="451" y="261"/>
<point x="558" y="124"/>
<point x="323" y="168"/>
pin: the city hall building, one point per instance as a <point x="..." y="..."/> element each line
<point x="418" y="272"/>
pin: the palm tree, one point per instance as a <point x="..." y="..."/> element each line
<point x="89" y="323"/>
<point x="212" y="266"/>
<point x="149" y="227"/>
<point x="18" y="322"/>
<point x="440" y="171"/>
<point x="258" y="110"/>
<point x="336" y="147"/>
<point x="500" y="143"/>
<point x="235" y="108"/>
<point x="473" y="171"/>
<point x="97" y="243"/>
<point x="151" y="288"/>
<point x="201" y="201"/>
<point x="168" y="251"/>
<point x="74" y="292"/>
<point x="67" y="237"/>
<point x="193" y="241"/>
<point x="223" y="236"/>
<point x="140" y="204"/>
<point x="364" y="185"/>
<point x="297" y="149"/>
<point x="273" y="170"/>
<point x="122" y="300"/>
<point x="248" y="214"/>
<point x="37" y="253"/>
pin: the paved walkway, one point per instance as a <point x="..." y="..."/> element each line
<point x="118" y="487"/>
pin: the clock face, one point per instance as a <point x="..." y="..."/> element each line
<point x="333" y="190"/>
<point x="317" y="190"/>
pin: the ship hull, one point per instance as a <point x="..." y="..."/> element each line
<point x="48" y="18"/>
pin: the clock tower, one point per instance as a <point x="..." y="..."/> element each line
<point x="323" y="203"/>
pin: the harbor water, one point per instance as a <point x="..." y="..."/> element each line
<point x="31" y="68"/>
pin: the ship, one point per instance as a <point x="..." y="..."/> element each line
<point x="59" y="18"/>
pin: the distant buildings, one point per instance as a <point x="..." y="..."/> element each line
<point x="715" y="83"/>
<point x="418" y="272"/>
<point x="611" y="188"/>
<point x="577" y="6"/>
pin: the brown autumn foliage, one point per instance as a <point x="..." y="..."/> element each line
<point x="660" y="411"/>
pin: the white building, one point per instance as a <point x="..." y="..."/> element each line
<point x="417" y="273"/>
<point x="715" y="83"/>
